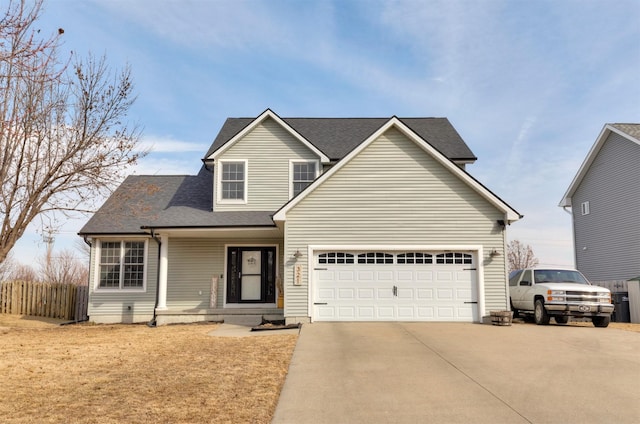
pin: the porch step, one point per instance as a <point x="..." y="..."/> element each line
<point x="247" y="320"/>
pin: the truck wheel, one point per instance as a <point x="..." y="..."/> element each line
<point x="601" y="321"/>
<point x="540" y="313"/>
<point x="562" y="319"/>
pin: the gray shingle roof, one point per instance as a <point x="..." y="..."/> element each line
<point x="167" y="201"/>
<point x="632" y="129"/>
<point x="336" y="137"/>
<point x="185" y="201"/>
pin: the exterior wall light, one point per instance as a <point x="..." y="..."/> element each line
<point x="297" y="255"/>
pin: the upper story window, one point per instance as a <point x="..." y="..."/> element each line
<point x="302" y="174"/>
<point x="233" y="181"/>
<point x="122" y="265"/>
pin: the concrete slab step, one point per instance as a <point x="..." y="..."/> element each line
<point x="247" y="320"/>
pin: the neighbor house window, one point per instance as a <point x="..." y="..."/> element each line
<point x="585" y="208"/>
<point x="302" y="174"/>
<point x="122" y="265"/>
<point x="233" y="180"/>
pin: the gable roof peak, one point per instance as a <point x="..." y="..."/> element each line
<point x="336" y="137"/>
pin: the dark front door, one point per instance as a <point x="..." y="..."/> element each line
<point x="251" y="275"/>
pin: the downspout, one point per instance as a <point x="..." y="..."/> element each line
<point x="573" y="234"/>
<point x="505" y="247"/>
<point x="152" y="323"/>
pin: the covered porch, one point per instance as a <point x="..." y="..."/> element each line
<point x="222" y="275"/>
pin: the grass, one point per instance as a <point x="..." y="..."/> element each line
<point x="135" y="374"/>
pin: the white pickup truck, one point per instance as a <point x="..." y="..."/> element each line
<point x="558" y="293"/>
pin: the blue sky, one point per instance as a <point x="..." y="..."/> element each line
<point x="528" y="84"/>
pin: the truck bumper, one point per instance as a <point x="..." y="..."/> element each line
<point x="576" y="309"/>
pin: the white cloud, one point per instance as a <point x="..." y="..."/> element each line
<point x="157" y="144"/>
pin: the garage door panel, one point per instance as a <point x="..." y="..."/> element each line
<point x="425" y="312"/>
<point x="386" y="312"/>
<point x="444" y="276"/>
<point x="390" y="291"/>
<point x="366" y="312"/>
<point x="425" y="276"/>
<point x="366" y="275"/>
<point x="347" y="312"/>
<point x="384" y="294"/>
<point x="424" y="294"/>
<point x="326" y="312"/>
<point x="366" y="294"/>
<point x="326" y="294"/>
<point x="445" y="312"/>
<point x="385" y="276"/>
<point x="406" y="313"/>
<point x="346" y="275"/>
<point x="346" y="294"/>
<point x="405" y="294"/>
<point x="465" y="312"/>
<point x="463" y="294"/>
<point x="444" y="294"/>
<point x="406" y="276"/>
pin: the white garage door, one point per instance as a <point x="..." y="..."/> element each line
<point x="395" y="286"/>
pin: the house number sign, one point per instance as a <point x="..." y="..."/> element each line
<point x="297" y="275"/>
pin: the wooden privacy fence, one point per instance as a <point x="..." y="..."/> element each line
<point x="63" y="301"/>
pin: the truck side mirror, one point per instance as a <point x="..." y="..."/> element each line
<point x="525" y="283"/>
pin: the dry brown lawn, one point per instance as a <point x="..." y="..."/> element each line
<point x="135" y="374"/>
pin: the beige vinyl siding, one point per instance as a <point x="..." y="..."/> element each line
<point x="267" y="149"/>
<point x="192" y="265"/>
<point x="113" y="306"/>
<point x="394" y="193"/>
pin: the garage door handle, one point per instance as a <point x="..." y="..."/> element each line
<point x="320" y="269"/>
<point x="316" y="303"/>
<point x="472" y="302"/>
<point x="469" y="269"/>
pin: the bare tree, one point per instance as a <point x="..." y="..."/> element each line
<point x="64" y="268"/>
<point x="63" y="140"/>
<point x="23" y="272"/>
<point x="6" y="268"/>
<point x="520" y="256"/>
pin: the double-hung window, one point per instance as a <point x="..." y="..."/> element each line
<point x="233" y="180"/>
<point x="302" y="174"/>
<point x="122" y="265"/>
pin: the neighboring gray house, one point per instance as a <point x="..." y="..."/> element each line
<point x="604" y="198"/>
<point x="310" y="219"/>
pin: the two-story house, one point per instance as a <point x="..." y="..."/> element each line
<point x="307" y="219"/>
<point x="604" y="198"/>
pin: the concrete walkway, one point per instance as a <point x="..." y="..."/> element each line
<point x="461" y="373"/>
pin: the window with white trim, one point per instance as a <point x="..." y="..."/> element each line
<point x="585" y="208"/>
<point x="302" y="174"/>
<point x="414" y="258"/>
<point x="122" y="265"/>
<point x="233" y="179"/>
<point x="375" y="258"/>
<point x="335" y="258"/>
<point x="454" y="258"/>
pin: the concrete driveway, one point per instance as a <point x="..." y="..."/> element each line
<point x="461" y="373"/>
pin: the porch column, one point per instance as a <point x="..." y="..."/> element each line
<point x="164" y="265"/>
